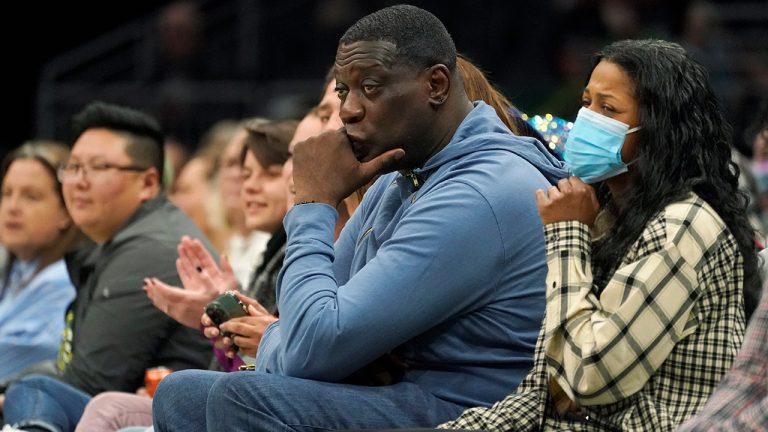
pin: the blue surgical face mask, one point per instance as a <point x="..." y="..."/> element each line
<point x="593" y="146"/>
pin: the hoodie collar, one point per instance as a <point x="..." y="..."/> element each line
<point x="482" y="130"/>
<point x="471" y="124"/>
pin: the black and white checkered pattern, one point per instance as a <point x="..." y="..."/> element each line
<point x="740" y="402"/>
<point x="644" y="354"/>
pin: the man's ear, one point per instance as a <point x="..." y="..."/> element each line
<point x="439" y="84"/>
<point x="64" y="222"/>
<point x="150" y="185"/>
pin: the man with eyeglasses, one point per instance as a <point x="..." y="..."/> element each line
<point x="113" y="333"/>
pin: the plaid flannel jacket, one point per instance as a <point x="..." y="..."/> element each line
<point x="740" y="403"/>
<point x="647" y="351"/>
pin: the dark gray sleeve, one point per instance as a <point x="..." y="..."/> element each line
<point x="121" y="333"/>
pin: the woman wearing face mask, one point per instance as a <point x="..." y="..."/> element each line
<point x="645" y="306"/>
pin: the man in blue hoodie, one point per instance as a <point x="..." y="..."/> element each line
<point x="435" y="287"/>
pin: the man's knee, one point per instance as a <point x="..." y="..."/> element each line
<point x="165" y="397"/>
<point x="246" y="385"/>
<point x="183" y="388"/>
<point x="262" y="392"/>
<point x="170" y="387"/>
<point x="180" y="399"/>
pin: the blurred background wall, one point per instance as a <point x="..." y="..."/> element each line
<point x="192" y="63"/>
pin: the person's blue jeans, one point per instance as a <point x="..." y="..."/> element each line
<point x="44" y="402"/>
<point x="250" y="401"/>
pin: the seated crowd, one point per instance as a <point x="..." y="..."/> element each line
<point x="409" y="255"/>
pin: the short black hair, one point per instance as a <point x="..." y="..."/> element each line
<point x="145" y="136"/>
<point x="421" y="38"/>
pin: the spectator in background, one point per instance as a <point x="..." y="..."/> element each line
<point x="185" y="306"/>
<point x="215" y="202"/>
<point x="194" y="193"/>
<point x="705" y="40"/>
<point x="245" y="246"/>
<point x="212" y="147"/>
<point x="177" y="64"/>
<point x="179" y="44"/>
<point x="748" y="185"/>
<point x="645" y="300"/>
<point x="113" y="332"/>
<point x="263" y="195"/>
<point x="37" y="231"/>
<point x="176" y="155"/>
<point x="114" y="410"/>
<point x="756" y="137"/>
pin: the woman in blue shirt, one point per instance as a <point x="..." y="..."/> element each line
<point x="36" y="230"/>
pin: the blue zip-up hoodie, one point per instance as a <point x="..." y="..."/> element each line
<point x="450" y="276"/>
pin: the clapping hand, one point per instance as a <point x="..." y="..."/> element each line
<point x="203" y="281"/>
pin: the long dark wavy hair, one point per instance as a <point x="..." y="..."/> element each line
<point x="683" y="146"/>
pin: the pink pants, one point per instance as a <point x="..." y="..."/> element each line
<point x="110" y="411"/>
